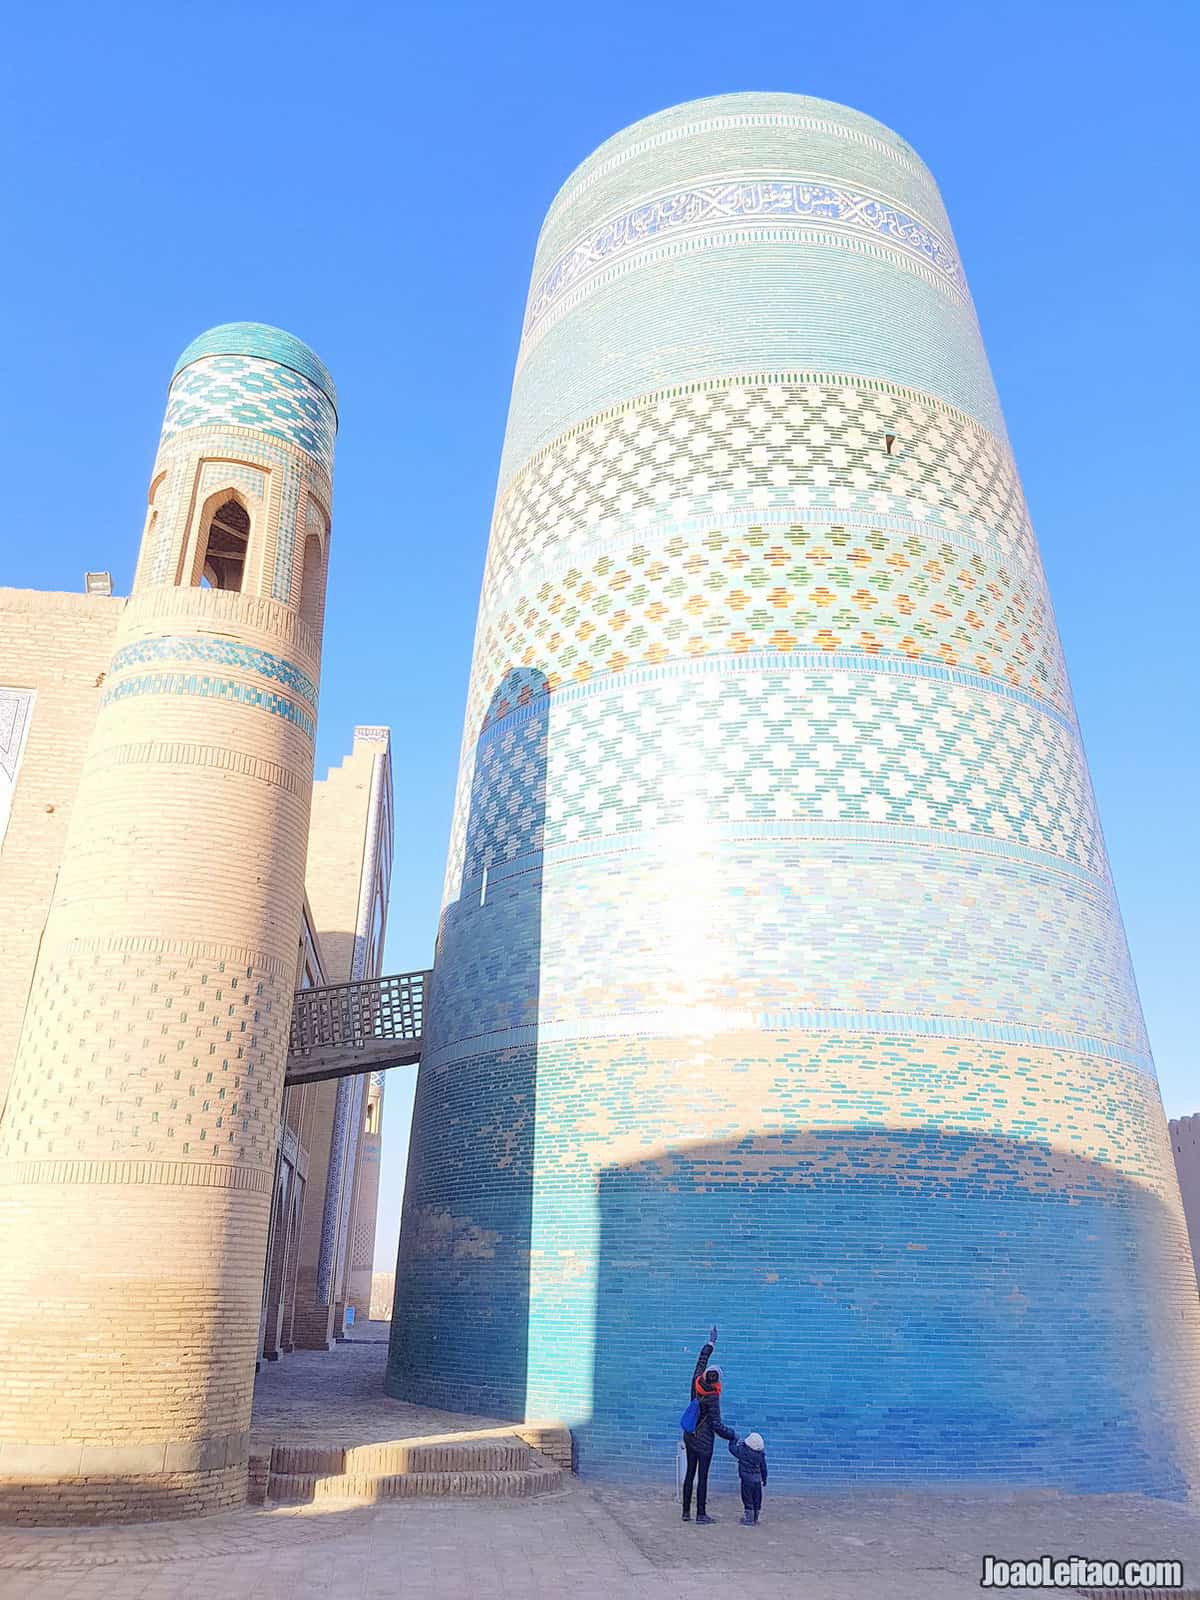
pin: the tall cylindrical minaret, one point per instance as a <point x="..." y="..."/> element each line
<point x="137" y="1144"/>
<point x="780" y="981"/>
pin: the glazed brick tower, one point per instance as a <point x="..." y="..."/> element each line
<point x="137" y="1146"/>
<point x="780" y="981"/>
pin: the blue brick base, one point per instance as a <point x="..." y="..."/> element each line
<point x="895" y="1306"/>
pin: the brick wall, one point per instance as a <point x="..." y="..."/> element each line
<point x="360" y="1273"/>
<point x="59" y="646"/>
<point x="337" y="842"/>
<point x="383" y="1287"/>
<point x="1185" y="1147"/>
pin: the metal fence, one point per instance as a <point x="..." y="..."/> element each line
<point x="349" y="1014"/>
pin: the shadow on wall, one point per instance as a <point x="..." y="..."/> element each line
<point x="894" y="1305"/>
<point x="460" y="1327"/>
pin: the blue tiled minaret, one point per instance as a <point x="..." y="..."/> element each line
<point x="781" y="982"/>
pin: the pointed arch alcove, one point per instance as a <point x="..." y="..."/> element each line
<point x="312" y="567"/>
<point x="226" y="547"/>
<point x="221" y="549"/>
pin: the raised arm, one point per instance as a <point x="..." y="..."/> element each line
<point x="706" y="1351"/>
<point x="705" y="1355"/>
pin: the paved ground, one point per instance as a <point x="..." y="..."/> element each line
<point x="584" y="1544"/>
<point x="335" y="1397"/>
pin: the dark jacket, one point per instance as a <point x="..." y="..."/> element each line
<point x="752" y="1464"/>
<point x="701" y="1436"/>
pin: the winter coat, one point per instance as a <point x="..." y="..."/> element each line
<point x="701" y="1436"/>
<point x="752" y="1464"/>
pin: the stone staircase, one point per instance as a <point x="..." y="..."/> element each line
<point x="495" y="1463"/>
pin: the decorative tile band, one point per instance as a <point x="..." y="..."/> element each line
<point x="749" y="238"/>
<point x="746" y="513"/>
<point x="186" y="1174"/>
<point x="247" y="963"/>
<point x="653" y="842"/>
<point x="593" y="170"/>
<point x="701" y="1022"/>
<point x="275" y="345"/>
<point x="723" y="662"/>
<point x="245" y="392"/>
<point x="190" y="683"/>
<point x="737" y="386"/>
<point x="222" y="652"/>
<point x="715" y="206"/>
<point x="850" y="588"/>
<point x="762" y="443"/>
<point x="771" y="742"/>
<point x="158" y="752"/>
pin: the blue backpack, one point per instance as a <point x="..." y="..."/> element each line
<point x="690" y="1417"/>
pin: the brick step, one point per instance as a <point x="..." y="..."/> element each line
<point x="549" y="1439"/>
<point x="386" y="1459"/>
<point x="518" y="1459"/>
<point x="365" y="1488"/>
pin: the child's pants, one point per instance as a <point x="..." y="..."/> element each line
<point x="751" y="1498"/>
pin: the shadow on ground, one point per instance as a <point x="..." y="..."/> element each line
<point x="605" y="1544"/>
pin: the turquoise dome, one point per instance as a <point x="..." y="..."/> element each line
<point x="269" y="344"/>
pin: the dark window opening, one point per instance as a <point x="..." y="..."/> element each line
<point x="224" y="563"/>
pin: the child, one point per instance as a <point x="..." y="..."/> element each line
<point x="752" y="1474"/>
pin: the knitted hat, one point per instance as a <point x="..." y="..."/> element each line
<point x="754" y="1440"/>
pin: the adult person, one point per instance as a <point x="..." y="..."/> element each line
<point x="706" y="1390"/>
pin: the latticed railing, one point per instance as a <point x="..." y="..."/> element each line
<point x="350" y="1015"/>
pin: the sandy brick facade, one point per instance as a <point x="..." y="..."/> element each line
<point x="140" y="1132"/>
<point x="348" y="877"/>
<point x="1185" y="1147"/>
<point x="291" y="1179"/>
<point x="361" y="1266"/>
<point x="383" y="1290"/>
<point x="54" y="653"/>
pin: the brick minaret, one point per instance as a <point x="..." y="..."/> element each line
<point x="780" y="980"/>
<point x="138" y="1140"/>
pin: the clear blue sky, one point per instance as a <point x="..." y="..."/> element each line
<point x="373" y="177"/>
